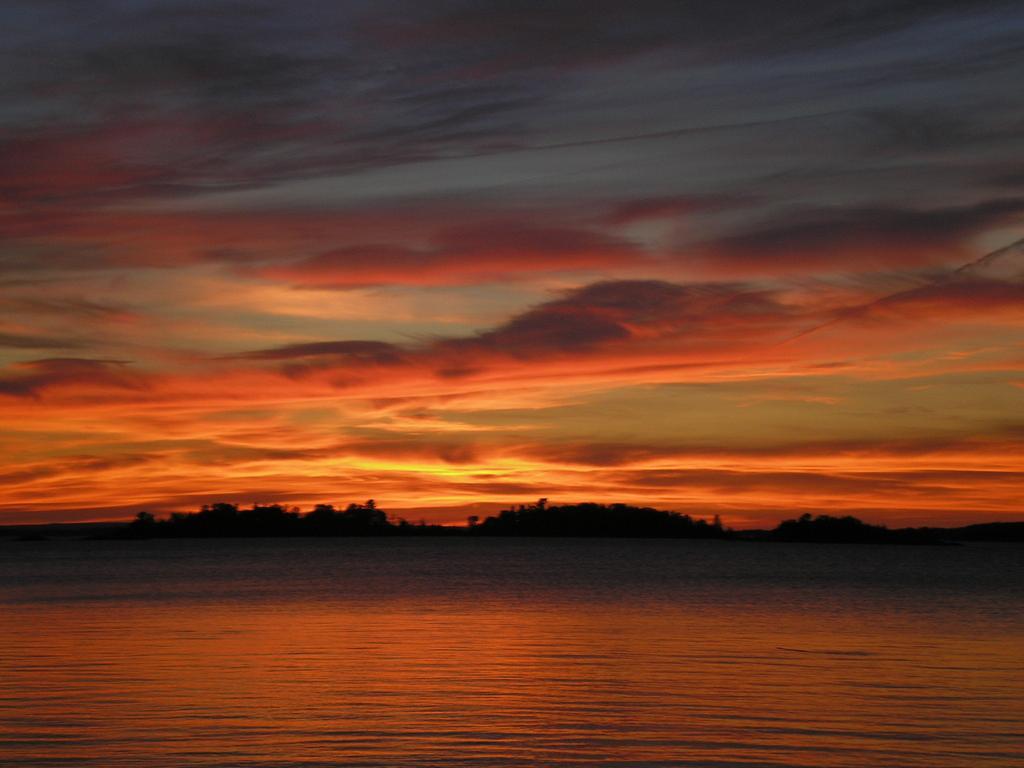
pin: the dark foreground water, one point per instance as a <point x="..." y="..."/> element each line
<point x="453" y="652"/>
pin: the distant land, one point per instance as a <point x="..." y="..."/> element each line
<point x="223" y="520"/>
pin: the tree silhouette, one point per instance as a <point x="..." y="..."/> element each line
<point x="825" y="528"/>
<point x="614" y="520"/>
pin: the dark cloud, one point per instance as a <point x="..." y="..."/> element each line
<point x="137" y="102"/>
<point x="617" y="317"/>
<point x="1013" y="178"/>
<point x="244" y="94"/>
<point x="153" y="100"/>
<point x="594" y="315"/>
<point x="377" y="352"/>
<point x="30" y="341"/>
<point x="31" y="379"/>
<point x="528" y="35"/>
<point x="477" y="252"/>
<point x="856" y="239"/>
<point x="410" y="447"/>
<point x="646" y="311"/>
<point x="656" y="208"/>
<point x="901" y="131"/>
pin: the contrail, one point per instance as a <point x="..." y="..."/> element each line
<point x="963" y="270"/>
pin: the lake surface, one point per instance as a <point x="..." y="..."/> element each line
<point x="510" y="652"/>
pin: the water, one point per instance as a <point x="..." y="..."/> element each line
<point x="469" y="652"/>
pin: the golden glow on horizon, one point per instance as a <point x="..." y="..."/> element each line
<point x="713" y="437"/>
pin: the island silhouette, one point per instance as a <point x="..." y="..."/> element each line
<point x="537" y="519"/>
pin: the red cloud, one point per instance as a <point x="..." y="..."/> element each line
<point x="439" y="244"/>
<point x="456" y="255"/>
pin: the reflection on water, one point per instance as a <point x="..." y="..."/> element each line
<point x="509" y="653"/>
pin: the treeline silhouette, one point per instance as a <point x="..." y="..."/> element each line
<point x="825" y="528"/>
<point x="609" y="520"/>
<point x="849" y="530"/>
<point x="224" y="520"/>
<point x="1004" y="532"/>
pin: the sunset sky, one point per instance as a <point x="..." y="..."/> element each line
<point x="747" y="258"/>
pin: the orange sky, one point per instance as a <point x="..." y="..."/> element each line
<point x="302" y="263"/>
